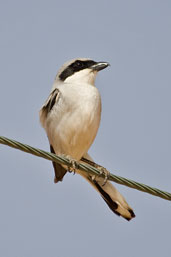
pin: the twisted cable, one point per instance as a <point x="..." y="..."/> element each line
<point x="87" y="166"/>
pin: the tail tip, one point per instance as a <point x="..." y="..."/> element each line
<point x="132" y="215"/>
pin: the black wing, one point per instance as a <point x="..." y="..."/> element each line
<point x="47" y="107"/>
<point x="59" y="170"/>
<point x="50" y="102"/>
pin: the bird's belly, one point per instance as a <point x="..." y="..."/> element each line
<point x="75" y="132"/>
<point x="72" y="125"/>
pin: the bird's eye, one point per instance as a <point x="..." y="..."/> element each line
<point x="78" y="64"/>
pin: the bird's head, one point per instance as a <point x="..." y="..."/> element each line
<point x="80" y="70"/>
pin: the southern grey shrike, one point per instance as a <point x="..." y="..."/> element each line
<point x="71" y="117"/>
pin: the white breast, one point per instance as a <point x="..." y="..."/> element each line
<point x="73" y="122"/>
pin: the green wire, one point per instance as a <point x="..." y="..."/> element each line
<point x="85" y="167"/>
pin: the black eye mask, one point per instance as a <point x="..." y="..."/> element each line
<point x="75" y="67"/>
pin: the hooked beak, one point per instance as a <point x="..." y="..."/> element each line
<point x="99" y="66"/>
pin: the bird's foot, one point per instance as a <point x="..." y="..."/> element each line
<point x="73" y="163"/>
<point x="72" y="168"/>
<point x="106" y="174"/>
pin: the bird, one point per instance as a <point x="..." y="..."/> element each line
<point x="71" y="118"/>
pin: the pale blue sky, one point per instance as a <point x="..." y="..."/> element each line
<point x="40" y="218"/>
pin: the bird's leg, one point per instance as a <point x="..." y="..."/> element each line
<point x="73" y="163"/>
<point x="103" y="171"/>
<point x="106" y="173"/>
<point x="72" y="168"/>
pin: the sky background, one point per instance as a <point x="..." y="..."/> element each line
<point x="40" y="218"/>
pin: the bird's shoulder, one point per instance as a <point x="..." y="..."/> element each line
<point x="49" y="104"/>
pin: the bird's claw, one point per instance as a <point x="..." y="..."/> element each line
<point x="73" y="167"/>
<point x="106" y="173"/>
